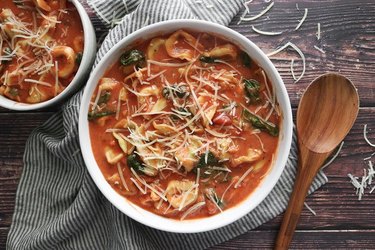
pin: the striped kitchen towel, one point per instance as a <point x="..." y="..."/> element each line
<point x="58" y="205"/>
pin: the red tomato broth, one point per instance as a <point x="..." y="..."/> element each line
<point x="67" y="31"/>
<point x="100" y="138"/>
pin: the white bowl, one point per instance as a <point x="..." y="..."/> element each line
<point x="230" y="215"/>
<point x="88" y="57"/>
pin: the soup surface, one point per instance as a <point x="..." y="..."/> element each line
<point x="184" y="125"/>
<point x="41" y="48"/>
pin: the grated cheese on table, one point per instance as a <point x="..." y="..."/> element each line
<point x="309" y="208"/>
<point x="266" y="33"/>
<point x="302" y="20"/>
<point x="368" y="176"/>
<point x="257" y="16"/>
<point x="318" y="32"/>
<point x="319" y="49"/>
<point x="300" y="53"/>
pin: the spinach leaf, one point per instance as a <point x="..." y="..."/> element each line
<point x="104" y="97"/>
<point x="211" y="160"/>
<point x="14" y="92"/>
<point x="252" y="90"/>
<point x="132" y="57"/>
<point x="176" y="90"/>
<point x="7" y="52"/>
<point x="79" y="58"/>
<point x="96" y="115"/>
<point x="134" y="162"/>
<point x="258" y="122"/>
<point x="245" y="58"/>
<point x="207" y="59"/>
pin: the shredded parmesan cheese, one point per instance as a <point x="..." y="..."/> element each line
<point x="122" y="177"/>
<point x="319" y="49"/>
<point x="95" y="104"/>
<point x="118" y="107"/>
<point x="298" y="51"/>
<point x="39" y="82"/>
<point x="216" y="134"/>
<point x="186" y="194"/>
<point x="243" y="177"/>
<point x="56" y="77"/>
<point x="292" y="69"/>
<point x="143" y="191"/>
<point x="259" y="15"/>
<point x="141" y="180"/>
<point x="46" y="17"/>
<point x="365" y="136"/>
<point x="156" y="75"/>
<point x="168" y="64"/>
<point x="302" y="20"/>
<point x="309" y="208"/>
<point x="266" y="33"/>
<point x="226" y="190"/>
<point x="193" y="209"/>
<point x="318" y="32"/>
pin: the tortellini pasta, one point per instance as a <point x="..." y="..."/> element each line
<point x="181" y="52"/>
<point x="67" y="53"/>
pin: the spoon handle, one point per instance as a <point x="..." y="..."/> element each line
<point x="308" y="167"/>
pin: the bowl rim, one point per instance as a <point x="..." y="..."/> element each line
<point x="88" y="57"/>
<point x="231" y="214"/>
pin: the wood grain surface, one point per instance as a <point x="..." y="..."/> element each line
<point x="348" y="39"/>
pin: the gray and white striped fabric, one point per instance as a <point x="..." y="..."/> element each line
<point x="59" y="207"/>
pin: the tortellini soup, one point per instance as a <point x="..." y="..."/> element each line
<point x="184" y="125"/>
<point x="41" y="46"/>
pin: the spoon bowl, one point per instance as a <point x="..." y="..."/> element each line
<point x="326" y="113"/>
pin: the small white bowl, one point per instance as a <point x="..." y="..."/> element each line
<point x="88" y="57"/>
<point x="230" y="215"/>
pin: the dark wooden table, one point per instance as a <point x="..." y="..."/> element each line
<point x="348" y="40"/>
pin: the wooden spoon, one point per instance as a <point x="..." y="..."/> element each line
<point x="326" y="113"/>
